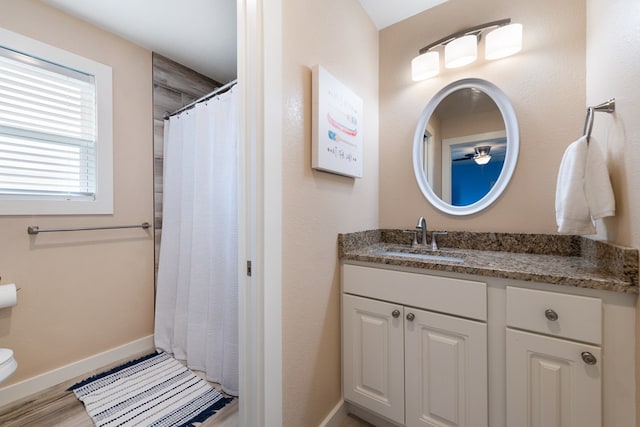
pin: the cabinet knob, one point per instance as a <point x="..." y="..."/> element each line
<point x="588" y="358"/>
<point x="410" y="317"/>
<point x="395" y="313"/>
<point x="551" y="315"/>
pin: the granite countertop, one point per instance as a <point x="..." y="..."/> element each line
<point x="556" y="259"/>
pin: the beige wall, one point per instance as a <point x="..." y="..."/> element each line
<point x="546" y="85"/>
<point x="471" y="124"/>
<point x="85" y="292"/>
<point x="613" y="66"/>
<point x="317" y="205"/>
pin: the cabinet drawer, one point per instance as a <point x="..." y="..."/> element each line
<point x="576" y="317"/>
<point x="457" y="297"/>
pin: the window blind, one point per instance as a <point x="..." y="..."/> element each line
<point x="47" y="129"/>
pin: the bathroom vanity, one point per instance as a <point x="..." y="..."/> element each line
<point x="493" y="330"/>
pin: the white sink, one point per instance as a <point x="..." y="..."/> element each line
<point x="423" y="256"/>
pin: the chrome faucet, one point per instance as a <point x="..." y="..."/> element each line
<point x="422" y="225"/>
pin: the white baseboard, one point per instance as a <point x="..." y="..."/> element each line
<point x="335" y="417"/>
<point x="30" y="386"/>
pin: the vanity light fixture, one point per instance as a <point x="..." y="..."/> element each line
<point x="461" y="48"/>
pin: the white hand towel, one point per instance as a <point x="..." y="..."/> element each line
<point x="572" y="210"/>
<point x="583" y="191"/>
<point x="597" y="185"/>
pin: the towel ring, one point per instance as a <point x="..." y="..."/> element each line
<point x="606" y="107"/>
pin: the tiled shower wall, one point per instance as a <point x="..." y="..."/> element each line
<point x="174" y="86"/>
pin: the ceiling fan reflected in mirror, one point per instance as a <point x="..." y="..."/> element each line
<point x="481" y="155"/>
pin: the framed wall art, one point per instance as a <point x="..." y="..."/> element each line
<point x="336" y="126"/>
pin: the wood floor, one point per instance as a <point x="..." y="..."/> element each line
<point x="57" y="407"/>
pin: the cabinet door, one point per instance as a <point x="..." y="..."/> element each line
<point x="549" y="384"/>
<point x="373" y="348"/>
<point x="446" y="370"/>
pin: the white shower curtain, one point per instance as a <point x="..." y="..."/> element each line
<point x="197" y="290"/>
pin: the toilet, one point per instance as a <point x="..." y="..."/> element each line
<point x="8" y="364"/>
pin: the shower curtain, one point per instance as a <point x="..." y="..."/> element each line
<point x="197" y="290"/>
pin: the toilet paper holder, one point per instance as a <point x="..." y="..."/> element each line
<point x="17" y="289"/>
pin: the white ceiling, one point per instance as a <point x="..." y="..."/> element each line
<point x="200" y="34"/>
<point x="387" y="12"/>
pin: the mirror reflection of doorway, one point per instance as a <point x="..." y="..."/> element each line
<point x="465" y="177"/>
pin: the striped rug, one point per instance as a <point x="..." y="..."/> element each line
<point x="155" y="390"/>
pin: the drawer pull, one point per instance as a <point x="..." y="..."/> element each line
<point x="395" y="313"/>
<point x="551" y="315"/>
<point x="588" y="358"/>
<point x="410" y="317"/>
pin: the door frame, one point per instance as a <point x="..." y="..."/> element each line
<point x="259" y="28"/>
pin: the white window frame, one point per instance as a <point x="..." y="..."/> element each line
<point x="102" y="203"/>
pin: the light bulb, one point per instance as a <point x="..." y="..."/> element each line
<point x="482" y="155"/>
<point x="503" y="41"/>
<point x="461" y="51"/>
<point x="425" y="66"/>
<point x="483" y="159"/>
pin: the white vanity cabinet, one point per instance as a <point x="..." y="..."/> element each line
<point x="485" y="351"/>
<point x="554" y="359"/>
<point x="415" y="347"/>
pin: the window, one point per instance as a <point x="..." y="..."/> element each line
<point x="55" y="131"/>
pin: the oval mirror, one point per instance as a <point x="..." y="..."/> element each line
<point x="465" y="147"/>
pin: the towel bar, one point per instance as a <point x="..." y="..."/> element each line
<point x="606" y="107"/>
<point x="34" y="229"/>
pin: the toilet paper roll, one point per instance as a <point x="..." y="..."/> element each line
<point x="8" y="295"/>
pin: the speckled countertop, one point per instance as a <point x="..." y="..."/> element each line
<point x="556" y="259"/>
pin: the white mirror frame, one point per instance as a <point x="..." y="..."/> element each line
<point x="511" y="156"/>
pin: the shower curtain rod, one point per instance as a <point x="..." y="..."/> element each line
<point x="210" y="95"/>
